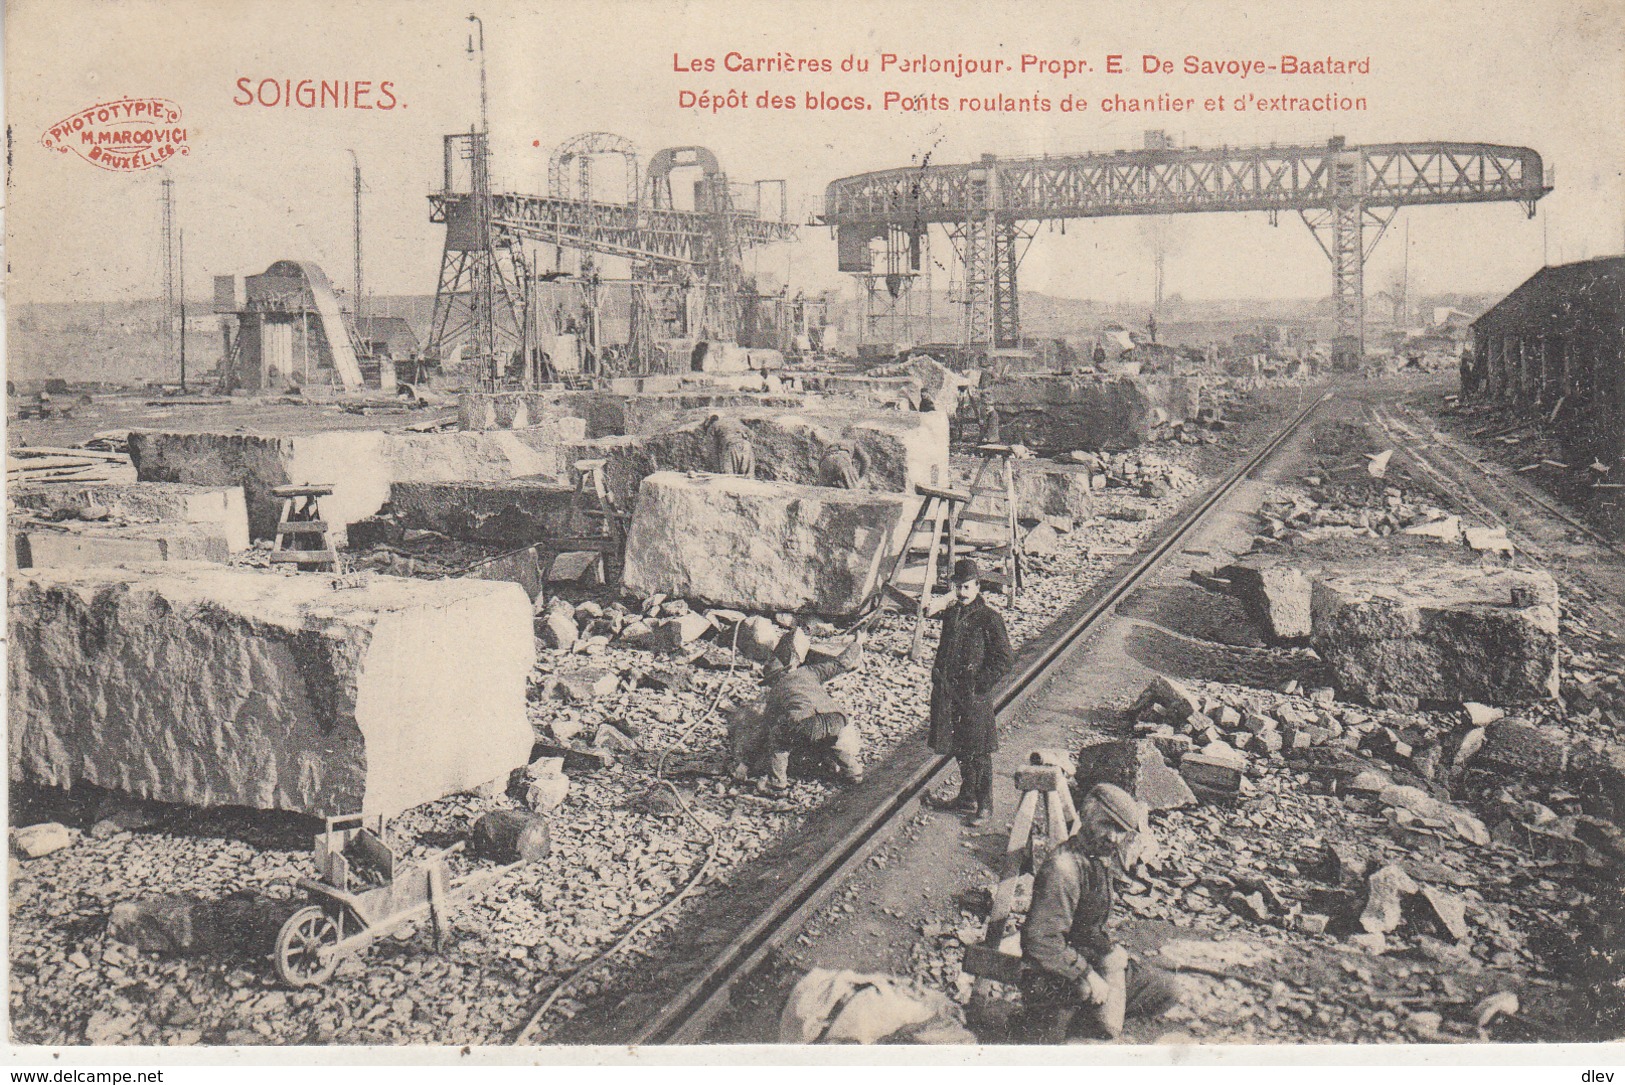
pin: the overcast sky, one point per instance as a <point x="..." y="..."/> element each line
<point x="261" y="184"/>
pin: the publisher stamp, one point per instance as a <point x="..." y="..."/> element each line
<point x="125" y="136"/>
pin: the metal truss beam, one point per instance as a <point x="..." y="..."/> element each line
<point x="661" y="235"/>
<point x="1164" y="182"/>
<point x="988" y="207"/>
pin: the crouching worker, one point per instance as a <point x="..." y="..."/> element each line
<point x="1075" y="981"/>
<point x="731" y="449"/>
<point x="844" y="465"/>
<point x="797" y="712"/>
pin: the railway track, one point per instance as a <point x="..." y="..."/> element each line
<point x="1565" y="545"/>
<point x="686" y="1016"/>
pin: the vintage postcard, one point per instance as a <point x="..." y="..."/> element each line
<point x="541" y="525"/>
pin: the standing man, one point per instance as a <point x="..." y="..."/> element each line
<point x="730" y="445"/>
<point x="1070" y="966"/>
<point x="844" y="465"/>
<point x="973" y="654"/>
<point x="799" y="712"/>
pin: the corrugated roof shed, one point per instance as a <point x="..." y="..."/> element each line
<point x="1590" y="293"/>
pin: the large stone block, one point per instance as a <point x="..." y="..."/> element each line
<point x="508" y="512"/>
<point x="1276" y="594"/>
<point x="1448" y="633"/>
<point x="1137" y="766"/>
<point x="119" y="544"/>
<point x="359" y="464"/>
<point x="902" y="393"/>
<point x="1057" y="413"/>
<point x="753" y="545"/>
<point x="215" y="686"/>
<point x="1043" y="488"/>
<point x="936" y="381"/>
<point x="905" y="449"/>
<point x="605" y="413"/>
<point x="146" y="502"/>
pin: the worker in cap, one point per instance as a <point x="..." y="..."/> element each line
<point x="843" y="465"/>
<point x="799" y="713"/>
<point x="1072" y="973"/>
<point x="730" y="446"/>
<point x="973" y="654"/>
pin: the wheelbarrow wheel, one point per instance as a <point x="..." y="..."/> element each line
<point x="304" y="945"/>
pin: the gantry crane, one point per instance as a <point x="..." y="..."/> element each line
<point x="685" y="262"/>
<point x="991" y="208"/>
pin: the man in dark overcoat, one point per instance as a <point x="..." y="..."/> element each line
<point x="972" y="656"/>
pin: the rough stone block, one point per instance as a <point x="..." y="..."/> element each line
<point x="120" y="544"/>
<point x="146" y="502"/>
<point x="1520" y="747"/>
<point x="1275" y="593"/>
<point x="228" y="687"/>
<point x="360" y="465"/>
<point x="1449" y="633"/>
<point x="1060" y="413"/>
<point x="1136" y="766"/>
<point x="506" y="512"/>
<point x="904" y="449"/>
<point x="737" y="542"/>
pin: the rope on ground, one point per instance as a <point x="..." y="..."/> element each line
<point x="568" y="982"/>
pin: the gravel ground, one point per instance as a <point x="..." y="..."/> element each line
<point x="622" y="849"/>
<point x="1245" y="889"/>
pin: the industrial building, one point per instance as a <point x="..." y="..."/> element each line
<point x="1556" y="344"/>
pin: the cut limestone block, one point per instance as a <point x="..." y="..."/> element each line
<point x="120" y="544"/>
<point x="1043" y="488"/>
<point x="936" y="380"/>
<point x="904" y="449"/>
<point x="609" y="413"/>
<point x="1275" y="584"/>
<point x="1136" y="766"/>
<point x="1275" y="592"/>
<point x="736" y="542"/>
<point x="228" y="687"/>
<point x="146" y="502"/>
<point x="899" y="393"/>
<point x="360" y="465"/>
<point x="505" y="512"/>
<point x="1060" y="413"/>
<point x="1447" y="633"/>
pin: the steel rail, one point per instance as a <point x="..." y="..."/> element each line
<point x="1510" y="486"/>
<point x="685" y="1018"/>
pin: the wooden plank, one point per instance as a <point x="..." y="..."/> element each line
<point x="302" y="527"/>
<point x="991" y="963"/>
<point x="1043" y="778"/>
<point x="304" y="557"/>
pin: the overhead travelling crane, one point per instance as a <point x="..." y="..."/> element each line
<point x="686" y="263"/>
<point x="991" y="208"/>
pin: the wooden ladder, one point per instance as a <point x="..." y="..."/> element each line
<point x="594" y="506"/>
<point x="301" y="525"/>
<point x="978" y="510"/>
<point x="936" y="515"/>
<point x="1039" y="784"/>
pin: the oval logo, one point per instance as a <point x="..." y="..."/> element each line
<point x="127" y="135"/>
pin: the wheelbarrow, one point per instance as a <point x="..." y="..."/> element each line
<point x="363" y="893"/>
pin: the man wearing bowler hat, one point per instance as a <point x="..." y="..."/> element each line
<point x="1072" y="973"/>
<point x="972" y="656"/>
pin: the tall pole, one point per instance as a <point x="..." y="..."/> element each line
<point x="483" y="299"/>
<point x="166" y="325"/>
<point x="180" y="260"/>
<point x="359" y="302"/>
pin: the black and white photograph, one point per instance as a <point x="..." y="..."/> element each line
<point x="1064" y="530"/>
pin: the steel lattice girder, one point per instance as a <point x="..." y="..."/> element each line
<point x="1161" y="182"/>
<point x="660" y="235"/>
